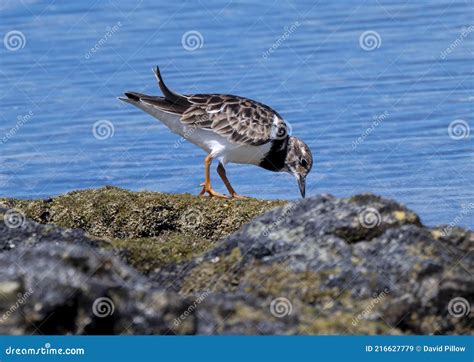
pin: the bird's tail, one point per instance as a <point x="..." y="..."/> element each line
<point x="170" y="96"/>
<point x="171" y="102"/>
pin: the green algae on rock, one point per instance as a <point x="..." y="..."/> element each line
<point x="152" y="253"/>
<point x="150" y="229"/>
<point x="117" y="213"/>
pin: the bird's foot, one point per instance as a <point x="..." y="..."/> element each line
<point x="238" y="197"/>
<point x="207" y="189"/>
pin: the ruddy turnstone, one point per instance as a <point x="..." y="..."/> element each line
<point x="230" y="129"/>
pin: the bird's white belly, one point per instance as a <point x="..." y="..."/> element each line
<point x="227" y="151"/>
<point x="210" y="141"/>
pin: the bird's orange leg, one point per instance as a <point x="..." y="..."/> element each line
<point x="222" y="174"/>
<point x="206" y="186"/>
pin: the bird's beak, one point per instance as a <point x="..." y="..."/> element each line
<point x="301" y="184"/>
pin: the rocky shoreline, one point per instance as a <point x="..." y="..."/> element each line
<point x="111" y="261"/>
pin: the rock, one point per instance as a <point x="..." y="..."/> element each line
<point x="51" y="278"/>
<point x="58" y="281"/>
<point x="364" y="265"/>
<point x="151" y="229"/>
<point x="366" y="258"/>
<point x="16" y="230"/>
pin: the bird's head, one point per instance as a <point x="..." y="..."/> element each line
<point x="298" y="161"/>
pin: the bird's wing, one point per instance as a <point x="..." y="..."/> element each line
<point x="240" y="120"/>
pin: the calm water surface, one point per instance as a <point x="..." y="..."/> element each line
<point x="370" y="86"/>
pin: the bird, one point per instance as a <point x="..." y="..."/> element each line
<point x="230" y="129"/>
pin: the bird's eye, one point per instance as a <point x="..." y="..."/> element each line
<point x="304" y="163"/>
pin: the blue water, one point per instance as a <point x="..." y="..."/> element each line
<point x="377" y="119"/>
